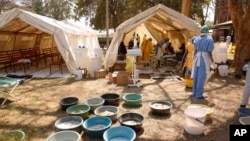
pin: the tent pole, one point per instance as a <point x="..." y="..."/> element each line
<point x="14" y="45"/>
<point x="107" y="23"/>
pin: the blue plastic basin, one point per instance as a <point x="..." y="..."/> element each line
<point x="119" y="133"/>
<point x="96" y="126"/>
<point x="244" y="112"/>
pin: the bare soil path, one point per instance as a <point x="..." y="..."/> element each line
<point x="37" y="109"/>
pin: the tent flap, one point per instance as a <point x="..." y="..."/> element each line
<point x="22" y="29"/>
<point x="157" y="22"/>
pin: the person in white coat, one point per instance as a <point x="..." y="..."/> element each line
<point x="246" y="92"/>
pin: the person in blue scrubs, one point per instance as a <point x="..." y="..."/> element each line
<point x="203" y="58"/>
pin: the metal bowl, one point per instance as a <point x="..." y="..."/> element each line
<point x="244" y="120"/>
<point x="70" y="123"/>
<point x="160" y="107"/>
<point x="111" y="99"/>
<point x="108" y="111"/>
<point x="132" y="120"/>
<point x="67" y="102"/>
<point x="94" y="103"/>
<point x="64" y="136"/>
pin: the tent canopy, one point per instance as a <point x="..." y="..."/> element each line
<point x="21" y="29"/>
<point x="157" y="23"/>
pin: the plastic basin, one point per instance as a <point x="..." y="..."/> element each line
<point x="244" y="112"/>
<point x="133" y="100"/>
<point x="96" y="126"/>
<point x="67" y="102"/>
<point x="13" y="135"/>
<point x="119" y="133"/>
<point x="111" y="99"/>
<point x="81" y="110"/>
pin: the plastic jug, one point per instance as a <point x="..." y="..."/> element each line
<point x="220" y="52"/>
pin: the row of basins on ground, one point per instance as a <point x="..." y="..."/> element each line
<point x="105" y="109"/>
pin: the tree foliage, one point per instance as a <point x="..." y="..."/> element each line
<point x="6" y="5"/>
<point x="240" y="15"/>
<point x="121" y="10"/>
<point x="56" y="9"/>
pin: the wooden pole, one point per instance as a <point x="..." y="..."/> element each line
<point x="107" y="23"/>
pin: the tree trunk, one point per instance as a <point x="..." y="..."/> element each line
<point x="186" y="7"/>
<point x="241" y="21"/>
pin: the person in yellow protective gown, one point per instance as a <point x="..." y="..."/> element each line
<point x="189" y="62"/>
<point x="146" y="49"/>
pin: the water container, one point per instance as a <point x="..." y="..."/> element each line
<point x="223" y="70"/>
<point x="94" y="65"/>
<point x="81" y="55"/>
<point x="78" y="74"/>
<point x="220" y="52"/>
<point x="194" y="120"/>
<point x="95" y="52"/>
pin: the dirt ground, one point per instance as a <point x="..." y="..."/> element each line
<point x="37" y="108"/>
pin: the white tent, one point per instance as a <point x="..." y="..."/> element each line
<point x="157" y="22"/>
<point x="22" y="29"/>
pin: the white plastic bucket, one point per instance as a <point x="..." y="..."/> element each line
<point x="223" y="70"/>
<point x="194" y="120"/>
<point x="78" y="74"/>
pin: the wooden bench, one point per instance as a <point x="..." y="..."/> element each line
<point x="58" y="63"/>
<point x="17" y="59"/>
<point x="50" y="53"/>
<point x="5" y="60"/>
<point x="33" y="55"/>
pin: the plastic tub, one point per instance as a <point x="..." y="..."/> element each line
<point x="66" y="135"/>
<point x="96" y="126"/>
<point x="133" y="100"/>
<point x="67" y="102"/>
<point x="194" y="120"/>
<point x="119" y="133"/>
<point x="81" y="110"/>
<point x="70" y="123"/>
<point x="111" y="99"/>
<point x="12" y="135"/>
<point x="244" y="112"/>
